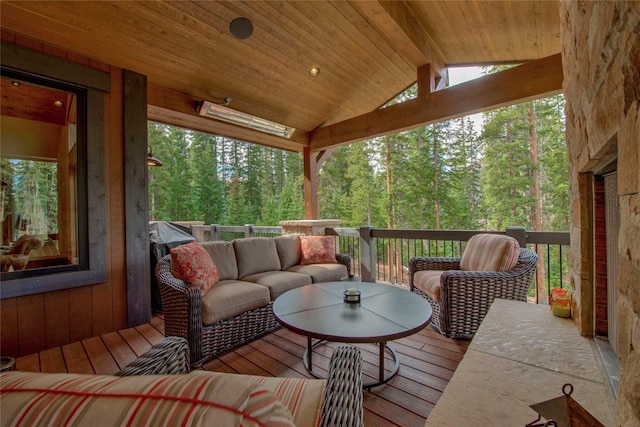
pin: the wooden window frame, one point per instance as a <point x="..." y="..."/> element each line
<point x="97" y="85"/>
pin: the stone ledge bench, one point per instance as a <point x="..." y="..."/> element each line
<point x="522" y="355"/>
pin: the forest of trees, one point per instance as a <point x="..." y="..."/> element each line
<point x="450" y="175"/>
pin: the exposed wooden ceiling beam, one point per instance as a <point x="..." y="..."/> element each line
<point x="178" y="109"/>
<point x="532" y="80"/>
<point x="420" y="36"/>
<point x="405" y="31"/>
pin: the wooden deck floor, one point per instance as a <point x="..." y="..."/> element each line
<point x="427" y="362"/>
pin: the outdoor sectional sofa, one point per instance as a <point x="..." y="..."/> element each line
<point x="252" y="272"/>
<point x="148" y="392"/>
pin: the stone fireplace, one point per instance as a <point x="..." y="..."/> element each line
<point x="601" y="61"/>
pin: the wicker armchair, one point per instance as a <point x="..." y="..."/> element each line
<point x="465" y="296"/>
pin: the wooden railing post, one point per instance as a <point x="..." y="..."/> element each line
<point x="248" y="230"/>
<point x="367" y="255"/>
<point x="215" y="232"/>
<point x="518" y="233"/>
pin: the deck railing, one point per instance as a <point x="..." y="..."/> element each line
<point x="383" y="255"/>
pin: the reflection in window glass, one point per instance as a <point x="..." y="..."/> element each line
<point x="38" y="169"/>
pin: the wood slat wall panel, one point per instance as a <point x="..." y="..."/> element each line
<point x="102" y="308"/>
<point x="36" y="322"/>
<point x="81" y="311"/>
<point x="31" y="321"/>
<point x="9" y="326"/>
<point x="57" y="320"/>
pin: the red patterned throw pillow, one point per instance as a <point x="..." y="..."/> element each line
<point x="317" y="250"/>
<point x="192" y="264"/>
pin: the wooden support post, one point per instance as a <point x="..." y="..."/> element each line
<point x="518" y="233"/>
<point x="214" y="233"/>
<point x="367" y="255"/>
<point x="136" y="212"/>
<point x="426" y="81"/>
<point x="311" y="206"/>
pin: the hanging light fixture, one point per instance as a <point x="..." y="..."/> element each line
<point x="151" y="160"/>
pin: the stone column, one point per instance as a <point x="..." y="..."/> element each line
<point x="308" y="227"/>
<point x="601" y="62"/>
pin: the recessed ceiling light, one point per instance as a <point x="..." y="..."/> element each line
<point x="15" y="83"/>
<point x="57" y="103"/>
<point x="314" y="71"/>
<point x="241" y="28"/>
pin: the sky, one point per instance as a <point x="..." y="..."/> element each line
<point x="464" y="74"/>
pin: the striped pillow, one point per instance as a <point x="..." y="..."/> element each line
<point x="33" y="398"/>
<point x="490" y="252"/>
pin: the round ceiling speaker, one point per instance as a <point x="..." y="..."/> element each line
<point x="241" y="28"/>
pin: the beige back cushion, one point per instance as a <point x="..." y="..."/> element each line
<point x="224" y="256"/>
<point x="490" y="252"/>
<point x="288" y="250"/>
<point x="256" y="255"/>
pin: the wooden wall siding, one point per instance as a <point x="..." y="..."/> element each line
<point x="36" y="322"/>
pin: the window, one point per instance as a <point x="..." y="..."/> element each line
<point x="39" y="160"/>
<point x="52" y="170"/>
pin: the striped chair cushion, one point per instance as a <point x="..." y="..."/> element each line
<point x="428" y="281"/>
<point x="31" y="398"/>
<point x="303" y="397"/>
<point x="490" y="252"/>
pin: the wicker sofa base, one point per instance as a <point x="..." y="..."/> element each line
<point x="226" y="335"/>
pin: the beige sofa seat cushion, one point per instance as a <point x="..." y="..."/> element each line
<point x="428" y="281"/>
<point x="232" y="297"/>
<point x="490" y="252"/>
<point x="288" y="250"/>
<point x="256" y="255"/>
<point x="224" y="257"/>
<point x="321" y="272"/>
<point x="278" y="282"/>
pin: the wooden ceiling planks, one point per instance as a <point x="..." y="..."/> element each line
<point x="367" y="51"/>
<point x="480" y="32"/>
<point x="30" y="102"/>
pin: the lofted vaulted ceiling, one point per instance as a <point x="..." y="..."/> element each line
<point x="367" y="51"/>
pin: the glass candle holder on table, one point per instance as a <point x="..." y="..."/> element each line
<point x="351" y="288"/>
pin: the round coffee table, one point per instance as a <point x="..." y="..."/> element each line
<point x="384" y="313"/>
